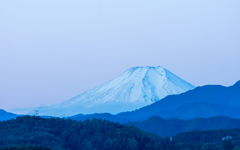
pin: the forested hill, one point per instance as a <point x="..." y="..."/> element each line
<point x="106" y="116"/>
<point x="35" y="147"/>
<point x="207" y="140"/>
<point x="26" y="132"/>
<point x="58" y="133"/>
<point x="170" y="127"/>
<point x="208" y="136"/>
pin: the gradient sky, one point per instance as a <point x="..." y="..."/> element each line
<point x="51" y="51"/>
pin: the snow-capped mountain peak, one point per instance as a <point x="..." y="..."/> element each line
<point x="135" y="88"/>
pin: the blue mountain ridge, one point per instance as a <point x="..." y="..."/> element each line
<point x="215" y="94"/>
<point x="4" y="115"/>
<point x="170" y="127"/>
<point x="206" y="101"/>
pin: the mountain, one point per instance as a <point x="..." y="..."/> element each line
<point x="135" y="88"/>
<point x="215" y="94"/>
<point x="6" y="115"/>
<point x="170" y="127"/>
<point x="200" y="109"/>
<point x="185" y="112"/>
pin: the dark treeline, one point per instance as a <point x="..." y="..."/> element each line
<point x="207" y="140"/>
<point x="207" y="136"/>
<point x="66" y="134"/>
<point x="27" y="148"/>
<point x="58" y="133"/>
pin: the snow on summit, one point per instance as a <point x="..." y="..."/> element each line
<point x="135" y="88"/>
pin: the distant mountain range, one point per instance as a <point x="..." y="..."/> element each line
<point x="170" y="127"/>
<point x="185" y="112"/>
<point x="135" y="88"/>
<point x="200" y="109"/>
<point x="206" y="101"/>
<point x="6" y="115"/>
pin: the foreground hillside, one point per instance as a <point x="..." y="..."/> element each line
<point x="170" y="127"/>
<point x="27" y="148"/>
<point x="60" y="134"/>
<point x="207" y="140"/>
<point x="27" y="133"/>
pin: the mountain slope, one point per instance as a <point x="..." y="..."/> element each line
<point x="163" y="127"/>
<point x="135" y="88"/>
<point x="6" y="115"/>
<point x="200" y="109"/>
<point x="215" y="94"/>
<point x="185" y="112"/>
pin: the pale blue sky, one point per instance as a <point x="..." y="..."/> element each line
<point x="51" y="51"/>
